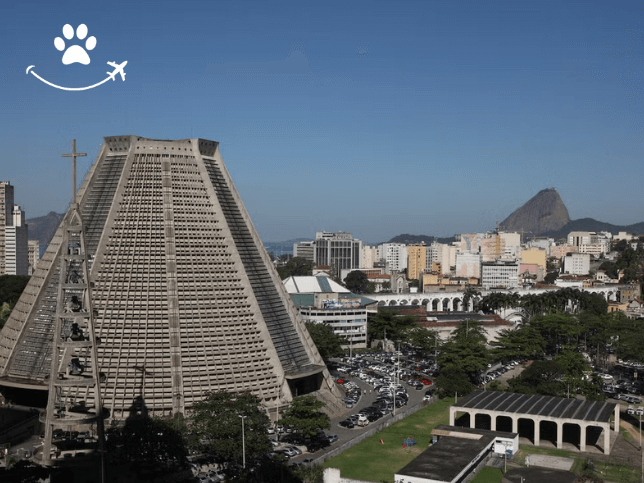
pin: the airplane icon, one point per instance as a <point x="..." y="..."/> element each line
<point x="118" y="69"/>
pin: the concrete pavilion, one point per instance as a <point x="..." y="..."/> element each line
<point x="540" y="415"/>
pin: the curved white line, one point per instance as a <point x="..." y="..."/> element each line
<point x="68" y="88"/>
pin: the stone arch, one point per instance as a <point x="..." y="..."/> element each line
<point x="392" y="302"/>
<point x="526" y="428"/>
<point x="463" y="419"/>
<point x="382" y="303"/>
<point x="414" y="302"/>
<point x="504" y="423"/>
<point x="571" y="434"/>
<point x="548" y="432"/>
<point x="482" y="421"/>
<point x="425" y="302"/>
<point x="457" y="304"/>
<point x="434" y="303"/>
<point x="447" y="306"/>
<point x="404" y="302"/>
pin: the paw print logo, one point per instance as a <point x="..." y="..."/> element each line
<point x="75" y="53"/>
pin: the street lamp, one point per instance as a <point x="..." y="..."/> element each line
<point x="243" y="441"/>
<point x="396" y="375"/>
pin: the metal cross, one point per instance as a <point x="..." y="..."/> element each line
<point x="73" y="155"/>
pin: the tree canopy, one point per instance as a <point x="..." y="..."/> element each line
<point x="305" y="416"/>
<point x="453" y="380"/>
<point x="296" y="267"/>
<point x="466" y="349"/>
<point x="357" y="282"/>
<point x="389" y="323"/>
<point x="216" y="427"/>
<point x="328" y="343"/>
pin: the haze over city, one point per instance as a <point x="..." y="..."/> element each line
<point x="377" y="118"/>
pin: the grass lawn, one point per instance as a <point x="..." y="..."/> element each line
<point x="488" y="475"/>
<point x="370" y="460"/>
<point x="615" y="472"/>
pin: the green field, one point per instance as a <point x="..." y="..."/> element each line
<point x="488" y="475"/>
<point x="372" y="461"/>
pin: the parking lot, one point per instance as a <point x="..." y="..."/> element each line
<point x="368" y="396"/>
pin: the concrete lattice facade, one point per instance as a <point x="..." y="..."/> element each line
<point x="186" y="299"/>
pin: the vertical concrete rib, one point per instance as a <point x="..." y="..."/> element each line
<point x="173" y="298"/>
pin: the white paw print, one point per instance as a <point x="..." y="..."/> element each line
<point x="75" y="53"/>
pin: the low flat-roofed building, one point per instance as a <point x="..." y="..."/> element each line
<point x="457" y="453"/>
<point x="542" y="415"/>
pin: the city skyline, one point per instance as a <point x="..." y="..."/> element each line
<point x="374" y="118"/>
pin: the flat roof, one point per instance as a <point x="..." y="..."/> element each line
<point x="444" y="460"/>
<point x="537" y="405"/>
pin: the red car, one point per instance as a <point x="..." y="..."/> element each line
<point x="426" y="382"/>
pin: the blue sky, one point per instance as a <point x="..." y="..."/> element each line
<point x="374" y="117"/>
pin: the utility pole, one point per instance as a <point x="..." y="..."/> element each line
<point x="243" y="441"/>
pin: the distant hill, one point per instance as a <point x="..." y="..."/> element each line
<point x="589" y="224"/>
<point x="544" y="212"/>
<point x="43" y="228"/>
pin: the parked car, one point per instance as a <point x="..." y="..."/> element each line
<point x="332" y="438"/>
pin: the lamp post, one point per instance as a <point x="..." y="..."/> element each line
<point x="243" y="441"/>
<point x="396" y="374"/>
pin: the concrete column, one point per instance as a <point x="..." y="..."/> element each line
<point x="559" y="435"/>
<point x="607" y="439"/>
<point x="472" y="420"/>
<point x="582" y="438"/>
<point x="537" y="432"/>
<point x="452" y="416"/>
<point x="492" y="422"/>
<point x="515" y="425"/>
<point x="616" y="427"/>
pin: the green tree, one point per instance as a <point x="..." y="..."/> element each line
<point x="465" y="350"/>
<point x="523" y="342"/>
<point x="387" y="321"/>
<point x="551" y="277"/>
<point x="453" y="380"/>
<point x="357" y="282"/>
<point x="421" y="337"/>
<point x="216" y="427"/>
<point x="542" y="377"/>
<point x="5" y="312"/>
<point x="11" y="287"/>
<point x="328" y="343"/>
<point x="304" y="415"/>
<point x="296" y="267"/>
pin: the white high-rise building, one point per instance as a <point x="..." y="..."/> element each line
<point x="443" y="254"/>
<point x="576" y="264"/>
<point x="6" y="219"/>
<point x="468" y="265"/>
<point x="337" y="250"/>
<point x="368" y="257"/>
<point x="395" y="254"/>
<point x="16" y="244"/>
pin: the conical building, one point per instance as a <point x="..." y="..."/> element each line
<point x="184" y="297"/>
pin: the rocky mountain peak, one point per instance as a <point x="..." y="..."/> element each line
<point x="545" y="212"/>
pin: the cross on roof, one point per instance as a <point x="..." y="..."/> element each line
<point x="73" y="155"/>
